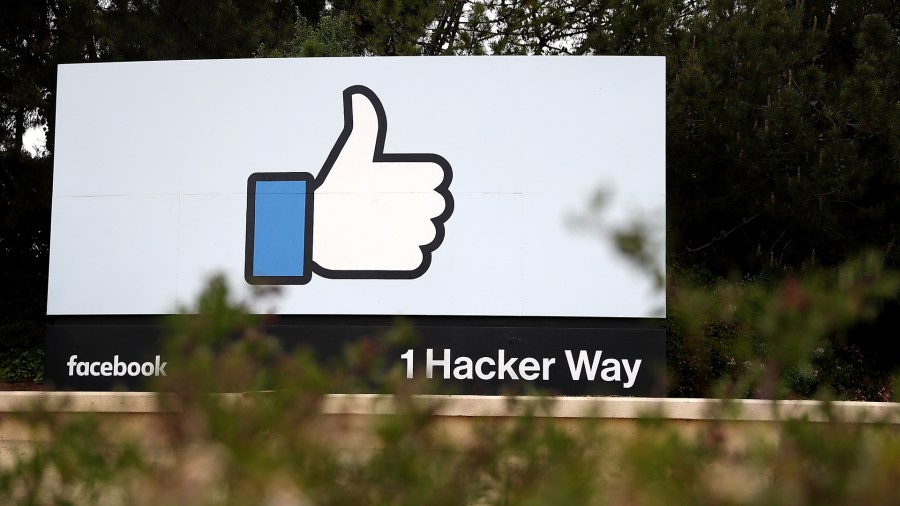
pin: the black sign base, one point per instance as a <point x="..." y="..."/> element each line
<point x="465" y="355"/>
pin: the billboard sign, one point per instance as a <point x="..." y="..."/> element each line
<point x="467" y="197"/>
<point x="434" y="187"/>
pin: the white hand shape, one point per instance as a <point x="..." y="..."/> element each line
<point x="377" y="215"/>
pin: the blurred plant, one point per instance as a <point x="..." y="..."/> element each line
<point x="796" y="337"/>
<point x="278" y="445"/>
<point x="817" y="332"/>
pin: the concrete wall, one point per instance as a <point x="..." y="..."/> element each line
<point x="346" y="421"/>
<point x="139" y="412"/>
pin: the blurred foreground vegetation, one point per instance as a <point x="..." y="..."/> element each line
<point x="782" y="149"/>
<point x="819" y="334"/>
<point x="275" y="446"/>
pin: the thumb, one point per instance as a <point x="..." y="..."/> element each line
<point x="364" y="125"/>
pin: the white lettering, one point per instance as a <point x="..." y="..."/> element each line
<point x="479" y="364"/>
<point x="610" y="370"/>
<point x="407" y="356"/>
<point x="116" y="364"/>
<point x="589" y="367"/>
<point x="431" y="363"/>
<point x="463" y="368"/>
<point x="116" y="368"/>
<point x="529" y="369"/>
<point x="506" y="366"/>
<point x="630" y="373"/>
<point x="500" y="366"/>
<point x="160" y="368"/>
<point x="547" y="363"/>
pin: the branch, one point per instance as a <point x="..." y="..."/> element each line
<point x="723" y="235"/>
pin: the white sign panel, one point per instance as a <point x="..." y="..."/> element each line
<point x="417" y="186"/>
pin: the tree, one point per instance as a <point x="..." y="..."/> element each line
<point x="193" y="29"/>
<point x="333" y="35"/>
<point x="791" y="142"/>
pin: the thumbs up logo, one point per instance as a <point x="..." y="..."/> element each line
<point x="367" y="214"/>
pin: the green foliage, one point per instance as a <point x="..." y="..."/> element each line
<point x="279" y="447"/>
<point x="793" y="153"/>
<point x="25" y="361"/>
<point x="332" y="36"/>
<point x="24" y="232"/>
<point x="799" y="336"/>
<point x="180" y="29"/>
<point x="395" y="27"/>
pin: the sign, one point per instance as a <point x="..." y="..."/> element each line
<point x="475" y="170"/>
<point x="570" y="356"/>
<point x="440" y="188"/>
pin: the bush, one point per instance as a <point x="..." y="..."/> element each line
<point x="817" y="333"/>
<point x="277" y="446"/>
